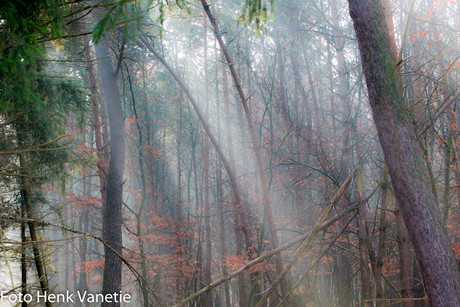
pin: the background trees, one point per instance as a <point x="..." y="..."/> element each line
<point x="108" y="138"/>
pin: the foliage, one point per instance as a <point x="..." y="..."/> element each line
<point x="25" y="24"/>
<point x="123" y="14"/>
<point x="259" y="12"/>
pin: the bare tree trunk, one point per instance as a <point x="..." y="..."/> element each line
<point x="365" y="274"/>
<point x="299" y="197"/>
<point x="82" y="242"/>
<point x="282" y="96"/>
<point x="237" y="221"/>
<point x="343" y="263"/>
<point x="179" y="221"/>
<point x="220" y="190"/>
<point x="102" y="159"/>
<point x="403" y="155"/>
<point x="25" y="194"/>
<point x="379" y="290"/>
<point x="140" y="211"/>
<point x="112" y="213"/>
<point x="23" y="254"/>
<point x="207" y="218"/>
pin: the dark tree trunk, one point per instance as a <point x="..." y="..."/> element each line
<point x="23" y="255"/>
<point x="102" y="159"/>
<point x="112" y="213"/>
<point x="26" y="198"/>
<point x="403" y="155"/>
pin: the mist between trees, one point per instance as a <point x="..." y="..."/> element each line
<point x="229" y="153"/>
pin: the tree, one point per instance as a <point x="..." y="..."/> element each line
<point x="403" y="155"/>
<point x="112" y="213"/>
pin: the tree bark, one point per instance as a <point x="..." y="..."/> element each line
<point x="102" y="159"/>
<point x="379" y="290"/>
<point x="405" y="266"/>
<point x="207" y="218"/>
<point x="112" y="213"/>
<point x="365" y="273"/>
<point x="238" y="234"/>
<point x="343" y="277"/>
<point x="403" y="155"/>
<point x="23" y="255"/>
<point x="26" y="198"/>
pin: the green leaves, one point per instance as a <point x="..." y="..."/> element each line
<point x="257" y="12"/>
<point x="25" y="23"/>
<point x="123" y="13"/>
<point x="101" y="25"/>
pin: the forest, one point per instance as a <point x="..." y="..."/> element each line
<point x="229" y="153"/>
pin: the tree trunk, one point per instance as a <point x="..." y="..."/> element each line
<point x="23" y="254"/>
<point x="140" y="212"/>
<point x="102" y="159"/>
<point x="403" y="155"/>
<point x="112" y="213"/>
<point x="237" y="221"/>
<point x="379" y="290"/>
<point x="207" y="218"/>
<point x="365" y="273"/>
<point x="25" y="194"/>
<point x="343" y="263"/>
<point x="220" y="183"/>
<point x="83" y="242"/>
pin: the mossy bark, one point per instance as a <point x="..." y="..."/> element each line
<point x="403" y="155"/>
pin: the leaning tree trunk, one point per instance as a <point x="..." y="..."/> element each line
<point x="112" y="219"/>
<point x="255" y="141"/>
<point x="403" y="155"/>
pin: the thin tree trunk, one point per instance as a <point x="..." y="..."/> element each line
<point x="220" y="190"/>
<point x="23" y="254"/>
<point x="403" y="155"/>
<point x="207" y="218"/>
<point x="101" y="158"/>
<point x="365" y="274"/>
<point x="344" y="278"/>
<point x="237" y="221"/>
<point x="179" y="221"/>
<point x="25" y="194"/>
<point x="301" y="215"/>
<point x="140" y="212"/>
<point x="379" y="290"/>
<point x="82" y="242"/>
